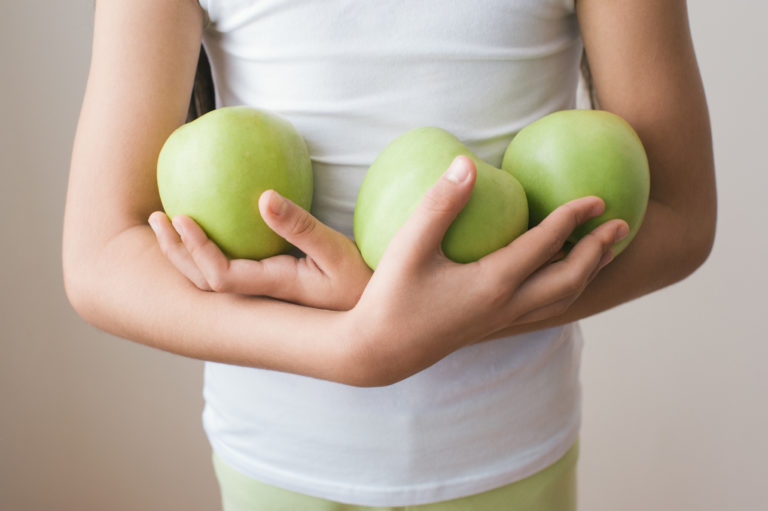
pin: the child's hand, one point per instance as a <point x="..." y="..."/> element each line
<point x="331" y="276"/>
<point x="419" y="306"/>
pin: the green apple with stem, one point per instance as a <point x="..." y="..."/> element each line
<point x="214" y="169"/>
<point x="496" y="213"/>
<point x="574" y="153"/>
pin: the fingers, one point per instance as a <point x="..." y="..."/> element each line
<point x="552" y="289"/>
<point x="423" y="232"/>
<point x="190" y="250"/>
<point x="542" y="243"/>
<point x="242" y="276"/>
<point x="300" y="280"/>
<point x="173" y="248"/>
<point x="301" y="229"/>
<point x="207" y="256"/>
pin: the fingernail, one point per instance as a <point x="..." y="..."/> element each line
<point x="277" y="204"/>
<point x="621" y="232"/>
<point x="152" y="224"/>
<point x="458" y="170"/>
<point x="177" y="225"/>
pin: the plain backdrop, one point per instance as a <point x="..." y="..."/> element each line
<point x="675" y="386"/>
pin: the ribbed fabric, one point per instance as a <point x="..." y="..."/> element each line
<point x="352" y="75"/>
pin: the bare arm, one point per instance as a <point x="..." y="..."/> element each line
<point x="645" y="70"/>
<point x="416" y="309"/>
<point x="143" y="63"/>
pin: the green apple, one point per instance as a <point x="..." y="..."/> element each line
<point x="575" y="153"/>
<point x="497" y="211"/>
<point x="214" y="169"/>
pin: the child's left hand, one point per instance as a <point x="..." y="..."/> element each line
<point x="331" y="276"/>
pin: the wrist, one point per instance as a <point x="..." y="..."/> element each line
<point x="373" y="353"/>
<point x="359" y="359"/>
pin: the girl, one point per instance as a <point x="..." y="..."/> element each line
<point x="426" y="384"/>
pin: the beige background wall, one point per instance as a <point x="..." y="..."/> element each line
<point x="675" y="384"/>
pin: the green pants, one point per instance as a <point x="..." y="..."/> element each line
<point x="552" y="489"/>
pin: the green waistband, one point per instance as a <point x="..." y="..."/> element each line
<point x="552" y="489"/>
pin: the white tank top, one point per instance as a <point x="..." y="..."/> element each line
<point x="352" y="75"/>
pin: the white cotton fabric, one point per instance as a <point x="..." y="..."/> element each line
<point x="352" y="75"/>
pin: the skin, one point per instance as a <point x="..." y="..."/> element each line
<point x="326" y="315"/>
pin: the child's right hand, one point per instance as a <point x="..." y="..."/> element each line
<point x="419" y="306"/>
<point x="331" y="276"/>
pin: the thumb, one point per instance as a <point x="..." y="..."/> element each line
<point x="425" y="229"/>
<point x="299" y="227"/>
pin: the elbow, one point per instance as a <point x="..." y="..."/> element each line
<point x="696" y="242"/>
<point x="678" y="233"/>
<point x="75" y="290"/>
<point x="79" y="289"/>
<point x="702" y="247"/>
<point x="703" y="239"/>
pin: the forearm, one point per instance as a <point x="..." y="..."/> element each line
<point x="116" y="277"/>
<point x="645" y="70"/>
<point x="663" y="253"/>
<point x="127" y="287"/>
